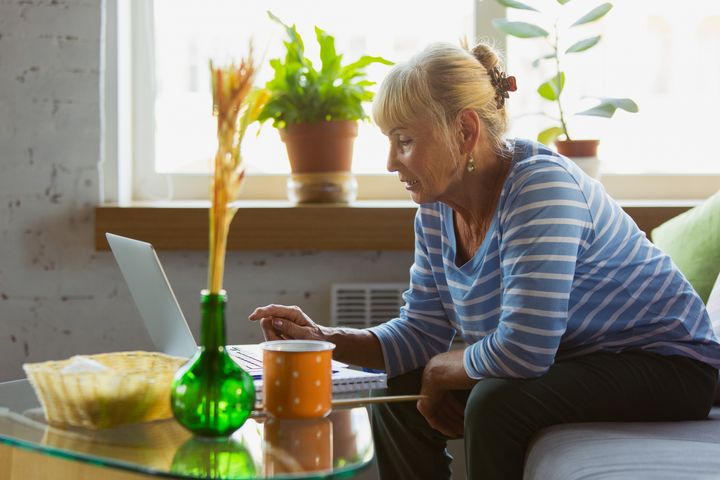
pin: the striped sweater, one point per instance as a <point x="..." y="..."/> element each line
<point x="562" y="272"/>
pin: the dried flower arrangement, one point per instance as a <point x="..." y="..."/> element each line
<point x="236" y="105"/>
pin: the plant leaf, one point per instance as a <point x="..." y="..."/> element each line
<point x="563" y="2"/>
<point x="519" y="29"/>
<point x="607" y="107"/>
<point x="353" y="69"/>
<point x="552" y="89"/>
<point x="298" y="47"/>
<point x="595" y="14"/>
<point x="549" y="135"/>
<point x="624" y="104"/>
<point x="517" y="5"/>
<point x="583" y="45"/>
<point x="604" y="110"/>
<point x="329" y="58"/>
<point x="536" y="62"/>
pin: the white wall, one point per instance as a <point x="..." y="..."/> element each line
<point x="59" y="297"/>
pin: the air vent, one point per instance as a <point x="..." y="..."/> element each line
<point x="360" y="305"/>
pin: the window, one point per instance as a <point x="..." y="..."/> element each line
<point x="661" y="54"/>
<point x="188" y="33"/>
<point x="654" y="51"/>
<point x="172" y="41"/>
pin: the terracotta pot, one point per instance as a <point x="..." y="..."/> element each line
<point x="583" y="153"/>
<point x="320" y="156"/>
<point x="577" y="148"/>
<point x="320" y="147"/>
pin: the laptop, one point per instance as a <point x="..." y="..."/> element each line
<point x="169" y="331"/>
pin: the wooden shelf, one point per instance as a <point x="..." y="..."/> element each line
<point x="265" y="226"/>
<point x="278" y="225"/>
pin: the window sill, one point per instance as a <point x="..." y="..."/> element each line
<point x="264" y="225"/>
<point x="280" y="225"/>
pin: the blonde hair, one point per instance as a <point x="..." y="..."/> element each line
<point x="439" y="83"/>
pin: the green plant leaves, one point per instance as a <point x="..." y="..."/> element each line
<point x="549" y="135"/>
<point x="595" y="14"/>
<point x="519" y="29"/>
<point x="295" y="47"/>
<point x="552" y="89"/>
<point x="300" y="93"/>
<point x="517" y="5"/>
<point x="329" y="58"/>
<point x="583" y="45"/>
<point x="355" y="69"/>
<point x="608" y="106"/>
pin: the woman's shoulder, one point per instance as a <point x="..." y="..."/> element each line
<point x="529" y="155"/>
<point x="534" y="162"/>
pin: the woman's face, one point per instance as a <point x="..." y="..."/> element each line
<point x="422" y="161"/>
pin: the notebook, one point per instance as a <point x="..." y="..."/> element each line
<point x="169" y="332"/>
<point x="344" y="379"/>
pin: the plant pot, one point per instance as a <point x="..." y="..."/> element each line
<point x="320" y="156"/>
<point x="583" y="153"/>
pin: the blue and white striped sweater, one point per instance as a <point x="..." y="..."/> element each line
<point x="563" y="271"/>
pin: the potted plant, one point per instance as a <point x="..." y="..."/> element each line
<point x="316" y="112"/>
<point x="584" y="152"/>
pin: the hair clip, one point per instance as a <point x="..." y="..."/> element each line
<point x="502" y="84"/>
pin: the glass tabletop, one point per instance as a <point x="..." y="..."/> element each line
<point x="338" y="444"/>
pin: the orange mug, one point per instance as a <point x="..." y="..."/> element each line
<point x="297" y="378"/>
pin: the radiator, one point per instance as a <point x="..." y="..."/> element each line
<point x="360" y="305"/>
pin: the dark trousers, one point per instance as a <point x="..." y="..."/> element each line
<point x="502" y="414"/>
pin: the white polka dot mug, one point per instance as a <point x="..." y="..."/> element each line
<point x="296" y="378"/>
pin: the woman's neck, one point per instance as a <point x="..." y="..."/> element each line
<point x="475" y="197"/>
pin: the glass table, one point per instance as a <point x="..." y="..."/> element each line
<point x="337" y="445"/>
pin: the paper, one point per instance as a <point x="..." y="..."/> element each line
<point x="81" y="364"/>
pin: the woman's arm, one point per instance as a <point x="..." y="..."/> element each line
<point x="357" y="347"/>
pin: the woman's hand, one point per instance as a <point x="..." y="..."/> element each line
<point x="444" y="411"/>
<point x="280" y="322"/>
<point x="445" y="386"/>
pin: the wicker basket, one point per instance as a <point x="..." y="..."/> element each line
<point x="135" y="387"/>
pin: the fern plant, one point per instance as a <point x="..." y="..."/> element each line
<point x="552" y="89"/>
<point x="300" y="93"/>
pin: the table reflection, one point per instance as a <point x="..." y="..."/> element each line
<point x="264" y="447"/>
<point x="294" y="446"/>
<point x="213" y="458"/>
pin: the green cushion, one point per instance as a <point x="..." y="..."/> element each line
<point x="692" y="239"/>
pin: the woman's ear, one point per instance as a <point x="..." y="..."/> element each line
<point x="471" y="130"/>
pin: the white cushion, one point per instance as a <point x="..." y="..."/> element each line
<point x="632" y="450"/>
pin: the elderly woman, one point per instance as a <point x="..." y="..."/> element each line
<point x="567" y="311"/>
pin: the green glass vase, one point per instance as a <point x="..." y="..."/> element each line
<point x="221" y="458"/>
<point x="211" y="395"/>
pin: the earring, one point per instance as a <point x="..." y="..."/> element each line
<point x="471" y="164"/>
